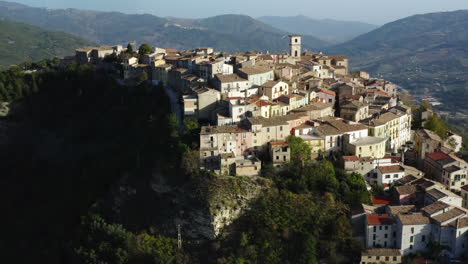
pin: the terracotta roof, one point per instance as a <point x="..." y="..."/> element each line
<point x="391" y="169"/>
<point x="381" y="200"/>
<point x="381" y="252"/>
<point x="350" y="158"/>
<point x="263" y="103"/>
<point x="435" y="207"/>
<point x="440" y="193"/>
<point x="377" y="219"/>
<point x="414" y="219"/>
<point x="327" y="92"/>
<point x="436" y="156"/>
<point x="279" y="143"/>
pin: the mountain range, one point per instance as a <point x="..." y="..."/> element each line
<point x="330" y="30"/>
<point x="21" y="42"/>
<point x="231" y="33"/>
<point x="426" y="54"/>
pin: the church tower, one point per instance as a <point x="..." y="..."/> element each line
<point x="295" y="46"/>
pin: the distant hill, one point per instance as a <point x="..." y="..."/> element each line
<point x="426" y="54"/>
<point x="327" y="29"/>
<point x="20" y="42"/>
<point x="228" y="32"/>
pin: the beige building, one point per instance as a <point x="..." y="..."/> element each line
<point x="257" y="76"/>
<point x="464" y="195"/>
<point x="372" y="147"/>
<point x="247" y="166"/>
<point x="354" y="111"/>
<point x="274" y="89"/>
<point x="381" y="255"/>
<point x="316" y="110"/>
<point x="280" y="153"/>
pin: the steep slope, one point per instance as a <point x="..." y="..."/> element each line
<point x="427" y="54"/>
<point x="222" y="32"/>
<point x="327" y="29"/>
<point x="20" y="42"/>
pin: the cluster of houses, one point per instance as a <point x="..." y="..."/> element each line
<point x="250" y="103"/>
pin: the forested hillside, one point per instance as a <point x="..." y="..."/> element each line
<point x="334" y="31"/>
<point x="102" y="173"/>
<point x="229" y="33"/>
<point x="426" y="54"/>
<point x="21" y="42"/>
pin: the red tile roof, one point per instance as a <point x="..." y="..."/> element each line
<point x="327" y="92"/>
<point x="279" y="143"/>
<point x="263" y="103"/>
<point x="376" y="219"/>
<point x="438" y="156"/>
<point x="350" y="158"/>
<point x="381" y="200"/>
<point x="391" y="169"/>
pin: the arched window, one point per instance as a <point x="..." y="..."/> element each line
<point x="295" y="53"/>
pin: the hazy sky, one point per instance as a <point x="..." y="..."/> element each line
<point x="371" y="11"/>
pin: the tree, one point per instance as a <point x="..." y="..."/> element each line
<point x="145" y="49"/>
<point x="437" y="125"/>
<point x="129" y="49"/>
<point x="300" y="151"/>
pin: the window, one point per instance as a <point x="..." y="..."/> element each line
<point x="412" y="230"/>
<point x="375" y="228"/>
<point x="411" y="239"/>
<point x="387" y="176"/>
<point x="268" y="130"/>
<point x="387" y="258"/>
<point x="394" y="258"/>
<point x="374" y="236"/>
<point x="380" y="227"/>
<point x="386" y="227"/>
<point x="295" y="52"/>
<point x="386" y="236"/>
<point x="411" y="247"/>
<point x="423" y="238"/>
<point x="395" y="175"/>
<point x="281" y="128"/>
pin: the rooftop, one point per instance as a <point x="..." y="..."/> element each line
<point x="383" y="252"/>
<point x="226" y="78"/>
<point x="449" y="215"/>
<point x="206" y="130"/>
<point x="379" y="219"/>
<point x="391" y="169"/>
<point x="368" y="141"/>
<point x="435" y="207"/>
<point x="254" y="70"/>
<point x="381" y="200"/>
<point x="402" y="209"/>
<point x="406" y="189"/>
<point x="414" y="219"/>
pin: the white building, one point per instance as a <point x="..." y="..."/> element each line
<point x="387" y="175"/>
<point x="413" y="233"/>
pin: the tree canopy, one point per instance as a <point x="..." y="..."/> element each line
<point x="145" y="49"/>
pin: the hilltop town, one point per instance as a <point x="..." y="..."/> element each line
<point x="253" y="105"/>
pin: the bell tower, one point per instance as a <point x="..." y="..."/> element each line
<point x="295" y="46"/>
